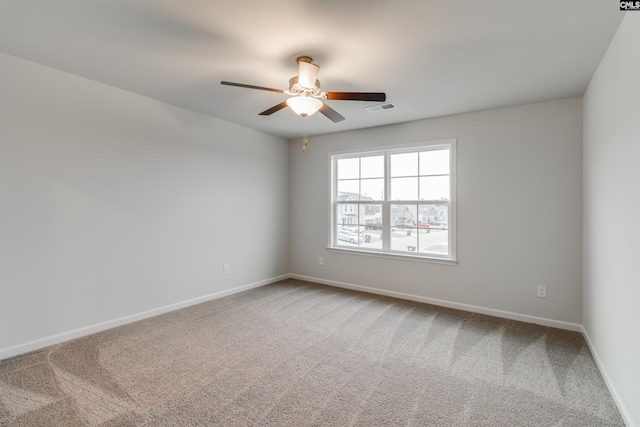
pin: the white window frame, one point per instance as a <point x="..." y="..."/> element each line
<point x="387" y="151"/>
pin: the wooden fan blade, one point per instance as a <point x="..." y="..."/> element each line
<point x="357" y="96"/>
<point x="274" y="109"/>
<point x="332" y="114"/>
<point x="252" y="87"/>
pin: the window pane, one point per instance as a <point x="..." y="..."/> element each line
<point x="434" y="162"/>
<point x="349" y="235"/>
<point x="404" y="164"/>
<point x="372" y="189"/>
<point x="370" y="216"/>
<point x="435" y="215"/>
<point x="434" y="241"/>
<point x="404" y="239"/>
<point x="434" y="188"/>
<point x="404" y="234"/>
<point x="348" y="190"/>
<point x="433" y="235"/>
<point x="348" y="168"/>
<point x="346" y="214"/>
<point x="372" y="167"/>
<point x="404" y="215"/>
<point x="371" y="226"/>
<point x="404" y="188"/>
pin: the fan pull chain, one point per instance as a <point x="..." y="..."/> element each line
<point x="306" y="141"/>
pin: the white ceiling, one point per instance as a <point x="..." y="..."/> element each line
<point x="431" y="57"/>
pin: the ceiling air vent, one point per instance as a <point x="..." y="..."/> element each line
<point x="381" y="107"/>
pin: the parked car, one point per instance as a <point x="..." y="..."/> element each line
<point x="425" y="226"/>
<point x="438" y="224"/>
<point x="349" y="236"/>
<point x="403" y="225"/>
<point x="376" y="226"/>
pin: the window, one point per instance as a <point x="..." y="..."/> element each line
<point x="395" y="202"/>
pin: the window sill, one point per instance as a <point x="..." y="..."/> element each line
<point x="396" y="256"/>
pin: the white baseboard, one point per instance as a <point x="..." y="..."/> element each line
<point x="491" y="312"/>
<point x="88" y="330"/>
<point x="449" y="304"/>
<point x="626" y="417"/>
<point x="66" y="336"/>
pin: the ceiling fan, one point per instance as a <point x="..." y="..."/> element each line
<point x="306" y="96"/>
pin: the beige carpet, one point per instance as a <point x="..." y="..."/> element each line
<point x="300" y="354"/>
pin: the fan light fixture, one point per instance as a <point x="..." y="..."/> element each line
<point x="304" y="106"/>
<point x="305" y="92"/>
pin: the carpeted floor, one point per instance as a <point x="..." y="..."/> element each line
<point x="301" y="354"/>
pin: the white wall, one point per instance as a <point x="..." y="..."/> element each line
<point x="611" y="313"/>
<point x="519" y="186"/>
<point x="113" y="204"/>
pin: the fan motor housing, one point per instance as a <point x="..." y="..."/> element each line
<point x="296" y="89"/>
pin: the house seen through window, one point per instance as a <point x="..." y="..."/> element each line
<point x="396" y="201"/>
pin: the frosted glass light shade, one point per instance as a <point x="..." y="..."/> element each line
<point x="304" y="105"/>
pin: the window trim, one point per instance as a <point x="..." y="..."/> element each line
<point x="332" y="244"/>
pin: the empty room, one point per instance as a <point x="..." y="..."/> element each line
<point x="332" y="213"/>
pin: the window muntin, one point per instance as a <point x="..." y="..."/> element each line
<point x="395" y="201"/>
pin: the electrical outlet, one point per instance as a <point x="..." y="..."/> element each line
<point x="225" y="269"/>
<point x="542" y="291"/>
<point x="321" y="261"/>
